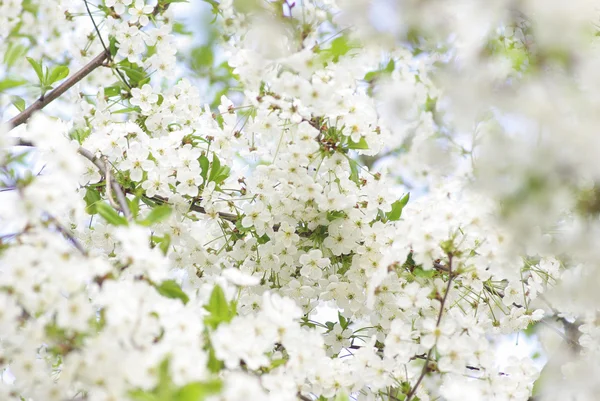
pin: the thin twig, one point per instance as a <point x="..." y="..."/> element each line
<point x="303" y="397"/>
<point x="439" y="319"/>
<point x="103" y="44"/>
<point x="67" y="234"/>
<point x="113" y="183"/>
<point x="197" y="208"/>
<point x="103" y="168"/>
<point x="60" y="89"/>
<point x="108" y="180"/>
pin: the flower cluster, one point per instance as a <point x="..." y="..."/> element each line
<point x="361" y="216"/>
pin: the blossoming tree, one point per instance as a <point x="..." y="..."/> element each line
<point x="328" y="200"/>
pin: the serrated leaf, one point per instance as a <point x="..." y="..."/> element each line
<point x="110" y="215"/>
<point x="171" y="289"/>
<point x="57" y="73"/>
<point x="397" y="207"/>
<point x="158" y="214"/>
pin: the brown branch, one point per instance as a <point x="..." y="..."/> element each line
<point x="116" y="188"/>
<point x="113" y="183"/>
<point x="439" y="319"/>
<point x="197" y="208"/>
<point x="303" y="397"/>
<point x="67" y="234"/>
<point x="62" y="88"/>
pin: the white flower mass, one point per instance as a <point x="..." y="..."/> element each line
<point x="173" y="226"/>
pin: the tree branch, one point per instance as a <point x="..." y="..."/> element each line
<point x="439" y="319"/>
<point x="60" y="89"/>
<point x="67" y="234"/>
<point x="114" y="185"/>
<point x="197" y="208"/>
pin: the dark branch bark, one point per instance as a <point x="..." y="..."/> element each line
<point x="60" y="89"/>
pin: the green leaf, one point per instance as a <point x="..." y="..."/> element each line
<point x="215" y="168"/>
<point x="341" y="396"/>
<point x="198" y="391"/>
<point x="57" y="73"/>
<point x="371" y="75"/>
<point x="202" y="58"/>
<point x="223" y="175"/>
<point x="180" y="28"/>
<point x="171" y="289"/>
<point x="113" y="90"/>
<point x="335" y="214"/>
<point x="137" y="75"/>
<point x="112" y="46"/>
<point x="204" y="165"/>
<point x="419" y="272"/>
<point x="19" y="103"/>
<point x="157" y="214"/>
<point x="92" y="197"/>
<point x="13" y="53"/>
<point x="134" y="206"/>
<point x="214" y="365"/>
<point x="362" y="144"/>
<point x="390" y="67"/>
<point x="38" y="69"/>
<point x="110" y="215"/>
<point x="218" y="307"/>
<point x="343" y="321"/>
<point x="339" y="47"/>
<point x="126" y="110"/>
<point x="80" y="134"/>
<point x="164" y="244"/>
<point x="396" y="212"/>
<point x="166" y="390"/>
<point x="354" y="177"/>
<point x="9" y="83"/>
<point x="141" y="395"/>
